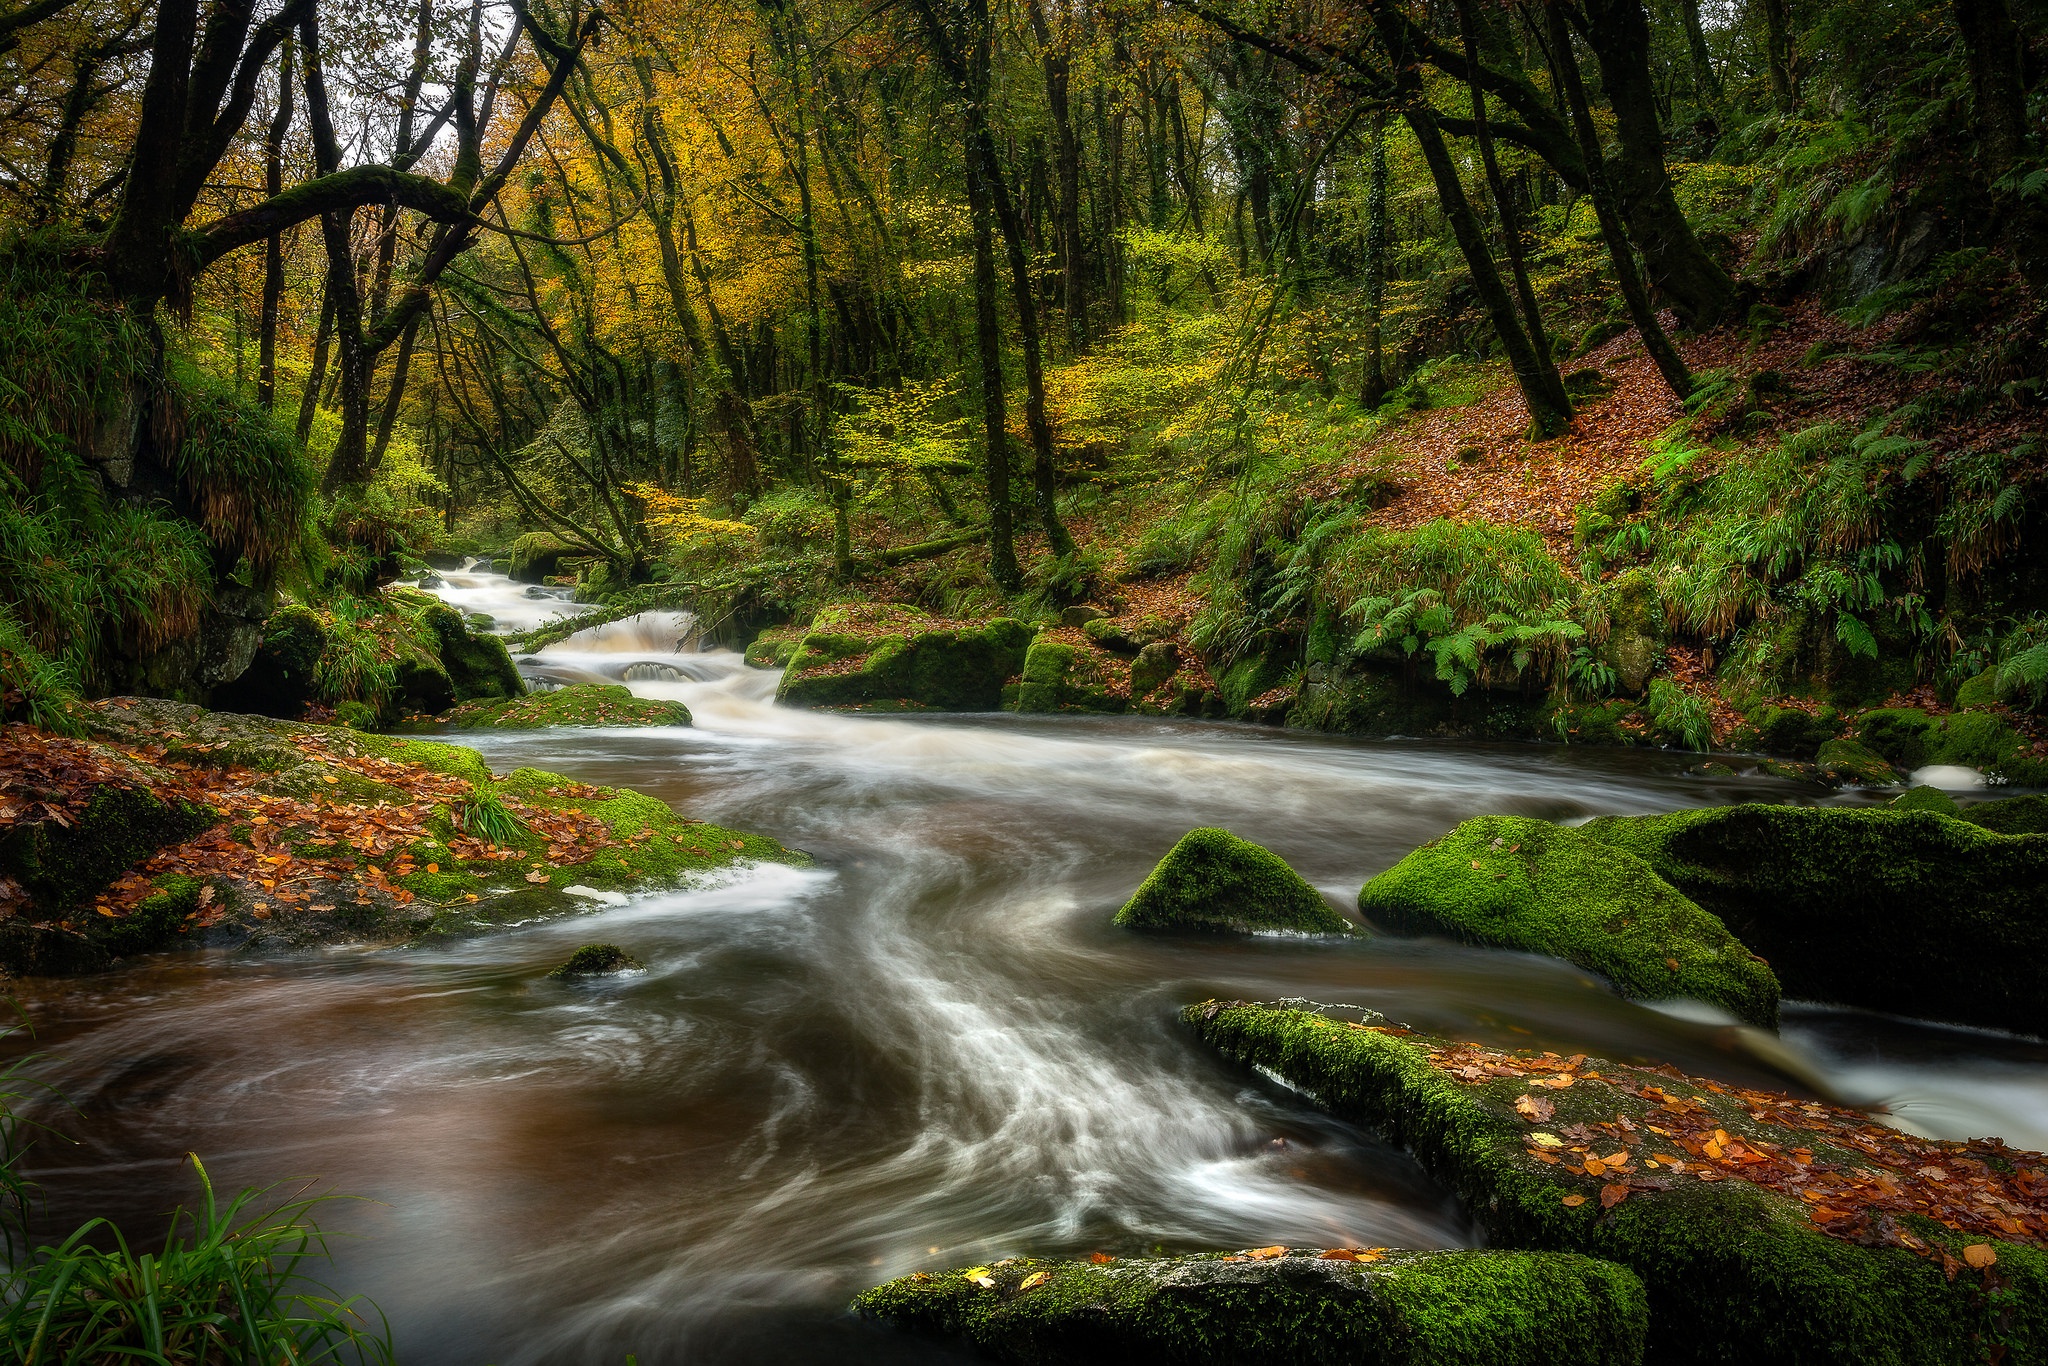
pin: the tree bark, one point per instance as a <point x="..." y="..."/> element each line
<point x="1372" y="388"/>
<point x="273" y="247"/>
<point x="1998" y="90"/>
<point x="1056" y="58"/>
<point x="1510" y="227"/>
<point x="988" y="341"/>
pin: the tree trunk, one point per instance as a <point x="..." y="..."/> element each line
<point x="1992" y="44"/>
<point x="1372" y="388"/>
<point x="989" y="346"/>
<point x="1550" y="409"/>
<point x="1699" y="289"/>
<point x="1705" y="81"/>
<point x="273" y="247"/>
<point x="1510" y="227"/>
<point x="1057" y="59"/>
<point x="309" y="400"/>
<point x="1778" y="52"/>
<point x="1669" y="364"/>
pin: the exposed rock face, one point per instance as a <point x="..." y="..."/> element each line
<point x="1212" y="880"/>
<point x="1515" y="883"/>
<point x="1282" y="1307"/>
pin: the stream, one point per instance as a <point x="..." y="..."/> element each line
<point x="929" y="1049"/>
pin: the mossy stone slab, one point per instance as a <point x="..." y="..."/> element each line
<point x="1296" y="1309"/>
<point x="579" y="704"/>
<point x="1734" y="1272"/>
<point x="1515" y="883"/>
<point x="1213" y="881"/>
<point x="1907" y="912"/>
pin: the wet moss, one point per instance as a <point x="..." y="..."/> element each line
<point x="2027" y="815"/>
<point x="1846" y="761"/>
<point x="1444" y="1308"/>
<point x="900" y="655"/>
<point x="1733" y="1271"/>
<point x="579" y="704"/>
<point x="596" y="960"/>
<point x="1212" y="880"/>
<point x="1913" y="739"/>
<point x="1908" y="912"/>
<point x="536" y="555"/>
<point x="63" y="866"/>
<point x="1924" y="798"/>
<point x="1515" y="883"/>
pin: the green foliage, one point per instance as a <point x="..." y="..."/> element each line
<point x="483" y="816"/>
<point x="1678" y="716"/>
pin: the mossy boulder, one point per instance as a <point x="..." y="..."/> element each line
<point x="1212" y="880"/>
<point x="863" y="655"/>
<point x="62" y="864"/>
<point x="538" y="555"/>
<point x="1734" y="1271"/>
<point x="1275" y="1307"/>
<point x="1157" y="663"/>
<point x="1634" y="645"/>
<point x="1908" y="912"/>
<point x="1515" y="883"/>
<point x="478" y="665"/>
<point x="579" y="704"/>
<point x="2026" y="815"/>
<point x="1062" y="675"/>
<point x="1912" y="739"/>
<point x="596" y="960"/>
<point x="280" y="678"/>
<point x="1846" y="761"/>
<point x="1924" y="798"/>
<point x="1789" y="731"/>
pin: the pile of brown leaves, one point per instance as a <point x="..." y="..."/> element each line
<point x="1855" y="1176"/>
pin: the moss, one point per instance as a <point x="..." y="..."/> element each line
<point x="1925" y="798"/>
<point x="1444" y="1308"/>
<point x="1616" y="722"/>
<point x="280" y="678"/>
<point x="774" y="647"/>
<point x="537" y="555"/>
<point x="2026" y="815"/>
<point x="453" y="760"/>
<point x="1516" y="883"/>
<point x="1732" y="1271"/>
<point x="1249" y="679"/>
<point x="596" y="960"/>
<point x="904" y="657"/>
<point x="1790" y="731"/>
<point x="1907" y="912"/>
<point x="1212" y="880"/>
<point x="1157" y="663"/>
<point x="579" y="704"/>
<point x="158" y="920"/>
<point x="1634" y="646"/>
<point x="62" y="866"/>
<point x="1846" y="761"/>
<point x="1046" y="666"/>
<point x="478" y="665"/>
<point x="1980" y="691"/>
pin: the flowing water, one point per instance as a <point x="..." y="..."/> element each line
<point x="928" y="1049"/>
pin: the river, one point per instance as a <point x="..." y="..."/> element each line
<point x="928" y="1049"/>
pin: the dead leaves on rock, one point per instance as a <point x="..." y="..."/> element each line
<point x="1858" y="1179"/>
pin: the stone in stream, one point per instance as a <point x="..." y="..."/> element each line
<point x="1212" y="880"/>
<point x="1515" y="883"/>
<point x="579" y="704"/>
<point x="1282" y="1306"/>
<point x="1907" y="912"/>
<point x="1719" y="1199"/>
<point x="596" y="960"/>
<point x="889" y="657"/>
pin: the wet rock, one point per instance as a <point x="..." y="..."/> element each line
<point x="864" y="655"/>
<point x="1155" y="664"/>
<point x="478" y="665"/>
<point x="1908" y="912"/>
<point x="443" y="559"/>
<point x="1280" y="1307"/>
<point x="1845" y="761"/>
<point x="1212" y="880"/>
<point x="538" y="555"/>
<point x="1516" y="883"/>
<point x="1733" y="1270"/>
<point x="63" y="863"/>
<point x="579" y="704"/>
<point x="1062" y="677"/>
<point x="596" y="960"/>
<point x="1924" y="798"/>
<point x="1080" y="614"/>
<point x="280" y="678"/>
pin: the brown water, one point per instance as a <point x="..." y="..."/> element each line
<point x="930" y="1049"/>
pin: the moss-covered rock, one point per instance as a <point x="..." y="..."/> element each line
<point x="1912" y="739"/>
<point x="1907" y="912"/>
<point x="1273" y="1308"/>
<point x="478" y="665"/>
<point x="280" y="678"/>
<point x="1212" y="880"/>
<point x="596" y="960"/>
<point x="858" y="655"/>
<point x="63" y="864"/>
<point x="1515" y="883"/>
<point x="2027" y="815"/>
<point x="1924" y="798"/>
<point x="537" y="555"/>
<point x="1734" y="1271"/>
<point x="579" y="704"/>
<point x="1068" y="675"/>
<point x="1789" y="731"/>
<point x="1846" y="761"/>
<point x="1634" y="645"/>
<point x="1156" y="663"/>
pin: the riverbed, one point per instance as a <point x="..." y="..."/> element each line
<point x="930" y="1048"/>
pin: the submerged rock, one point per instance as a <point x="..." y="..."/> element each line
<point x="579" y="704"/>
<point x="1908" y="912"/>
<point x="1212" y="880"/>
<point x="1516" y="883"/>
<point x="596" y="960"/>
<point x="1647" y="1169"/>
<point x="1283" y="1306"/>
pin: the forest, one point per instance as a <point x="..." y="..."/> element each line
<point x="1661" y="376"/>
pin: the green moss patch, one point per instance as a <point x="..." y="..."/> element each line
<point x="1733" y="1270"/>
<point x="1911" y="739"/>
<point x="1283" y="1306"/>
<point x="1515" y="883"/>
<point x="1846" y="761"/>
<point x="1909" y="912"/>
<point x="579" y="704"/>
<point x="857" y="655"/>
<point x="1065" y="671"/>
<point x="1212" y="880"/>
<point x="2026" y="815"/>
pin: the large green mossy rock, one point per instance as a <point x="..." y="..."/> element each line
<point x="537" y="555"/>
<point x="62" y="864"/>
<point x="1514" y="883"/>
<point x="1907" y="912"/>
<point x="1911" y="739"/>
<point x="1058" y="676"/>
<point x="2027" y="815"/>
<point x="478" y="665"/>
<point x="1212" y="880"/>
<point x="579" y="704"/>
<point x="1406" y="1309"/>
<point x="1734" y="1272"/>
<point x="896" y="657"/>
